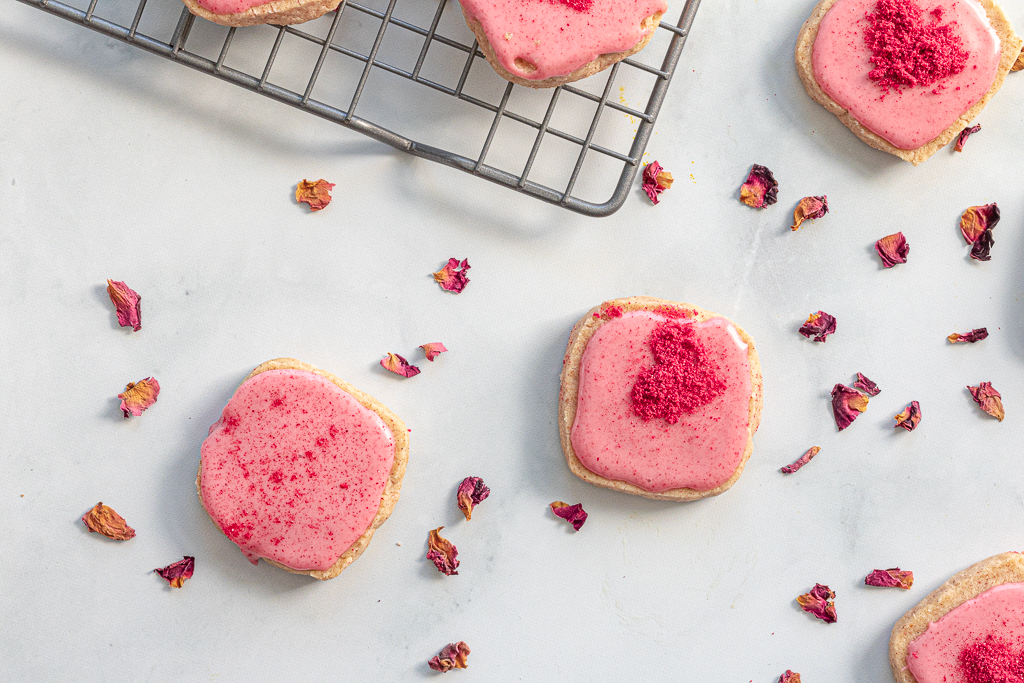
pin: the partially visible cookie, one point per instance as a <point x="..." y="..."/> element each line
<point x="911" y="122"/>
<point x="659" y="399"/>
<point x="302" y="468"/>
<point x="943" y="634"/>
<point x="547" y="43"/>
<point x="253" y="12"/>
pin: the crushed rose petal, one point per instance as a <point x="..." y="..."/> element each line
<point x="819" y="326"/>
<point x="866" y="385"/>
<point x="451" y="656"/>
<point x="126" y="304"/>
<point x="892" y="249"/>
<point x="961" y="139"/>
<point x="138" y="396"/>
<point x="178" y="572"/>
<point x="316" y="194"/>
<point x="451" y="278"/>
<point x="442" y="553"/>
<point x="399" y="365"/>
<point x="433" y="350"/>
<point x="789" y="677"/>
<point x="890" y="578"/>
<point x="655" y="180"/>
<point x="103" y="520"/>
<point x="977" y="219"/>
<point x="971" y="337"/>
<point x="819" y="602"/>
<point x="802" y="460"/>
<point x="982" y="249"/>
<point x="809" y="209"/>
<point x="910" y="417"/>
<point x="760" y="190"/>
<point x="471" y="492"/>
<point x="988" y="399"/>
<point x="573" y="514"/>
<point x="847" y="405"/>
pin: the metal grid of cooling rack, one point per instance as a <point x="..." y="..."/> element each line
<point x="339" y="106"/>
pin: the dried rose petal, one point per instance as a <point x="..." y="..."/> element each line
<point x="316" y="194"/>
<point x="847" y="405"/>
<point x="178" y="572"/>
<point x="451" y="278"/>
<point x="126" y="303"/>
<point x="969" y="338"/>
<point x="892" y="249"/>
<point x="760" y="190"/>
<point x="471" y="492"/>
<point x="802" y="460"/>
<point x="977" y="219"/>
<point x="890" y="578"/>
<point x="819" y="325"/>
<point x="789" y="677"/>
<point x="103" y="520"/>
<point x="964" y="134"/>
<point x="866" y="385"/>
<point x="452" y="656"/>
<point x="399" y="365"/>
<point x="433" y="350"/>
<point x="989" y="399"/>
<point x="910" y="417"/>
<point x="138" y="396"/>
<point x="442" y="553"/>
<point x="573" y="514"/>
<point x="655" y="180"/>
<point x="819" y="603"/>
<point x="808" y="209"/>
<point x="981" y="251"/>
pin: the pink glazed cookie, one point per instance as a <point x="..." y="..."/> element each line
<point x="253" y="12"/>
<point x="302" y="468"/>
<point x="545" y="43"/>
<point x="906" y="76"/>
<point x="969" y="630"/>
<point x="659" y="399"/>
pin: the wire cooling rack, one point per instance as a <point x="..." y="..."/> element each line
<point x="414" y="66"/>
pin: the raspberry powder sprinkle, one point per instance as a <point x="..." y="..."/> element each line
<point x="682" y="379"/>
<point x="910" y="48"/>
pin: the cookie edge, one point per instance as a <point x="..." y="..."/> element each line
<point x="581" y="333"/>
<point x="277" y="12"/>
<point x="963" y="586"/>
<point x="1011" y="49"/>
<point x="392" y="488"/>
<point x="600" y="63"/>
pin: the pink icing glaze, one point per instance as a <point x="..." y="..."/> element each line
<point x="229" y="6"/>
<point x="295" y="468"/>
<point x="700" y="451"/>
<point x="934" y="656"/>
<point x="556" y="38"/>
<point x="917" y="116"/>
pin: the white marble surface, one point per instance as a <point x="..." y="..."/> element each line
<point x="114" y="163"/>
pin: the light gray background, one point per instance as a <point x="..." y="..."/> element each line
<point x="114" y="163"/>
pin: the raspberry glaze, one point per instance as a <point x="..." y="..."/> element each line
<point x="295" y="468"/>
<point x="980" y="641"/>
